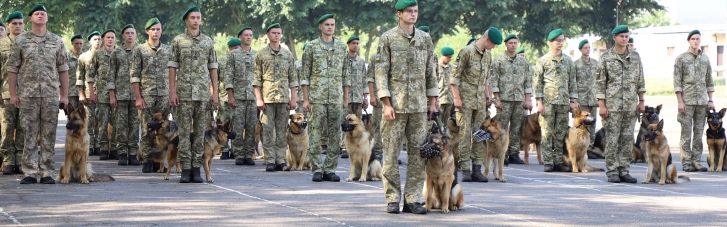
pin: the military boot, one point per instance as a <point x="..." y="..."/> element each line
<point x="114" y="154"/>
<point x="515" y="159"/>
<point x="225" y="156"/>
<point x="196" y="175"/>
<point x="627" y="179"/>
<point x="123" y="160"/>
<point x="392" y="208"/>
<point x="9" y="170"/>
<point x="466" y="176"/>
<point x="104" y="155"/>
<point x="148" y="164"/>
<point x="133" y="161"/>
<point x="186" y="175"/>
<point x="613" y="178"/>
<point x="477" y="174"/>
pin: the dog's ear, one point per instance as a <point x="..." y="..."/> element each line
<point x="218" y="121"/>
<point x="81" y="111"/>
<point x="350" y="111"/>
<point x="69" y="108"/>
<point x="658" y="108"/>
<point x="291" y="117"/>
<point x="722" y="112"/>
<point x="226" y="126"/>
<point x="576" y="111"/>
<point x="496" y="118"/>
<point x="660" y="126"/>
<point x="165" y="114"/>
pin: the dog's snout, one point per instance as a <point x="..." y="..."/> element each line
<point x="589" y="120"/>
<point x="231" y="135"/>
<point x="153" y="125"/>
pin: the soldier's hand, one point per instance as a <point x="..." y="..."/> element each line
<point x="499" y="105"/>
<point x="215" y="100"/>
<point x="231" y="101"/>
<point x="64" y="100"/>
<point x="260" y="104"/>
<point x="641" y="107"/>
<point x="682" y="108"/>
<point x="710" y="104"/>
<point x="93" y="98"/>
<point x="15" y="101"/>
<point x="528" y="104"/>
<point x="306" y="105"/>
<point x="140" y="104"/>
<point x="389" y="113"/>
<point x="457" y="103"/>
<point x="575" y="105"/>
<point x="603" y="111"/>
<point x="345" y="101"/>
<point x="541" y="110"/>
<point x="292" y="104"/>
<point x="372" y="101"/>
<point x="173" y="100"/>
<point x="488" y="102"/>
<point x="112" y="102"/>
<point x="433" y="112"/>
<point x="82" y="98"/>
<point x="365" y="105"/>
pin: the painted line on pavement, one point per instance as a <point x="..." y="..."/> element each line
<point x="10" y="217"/>
<point x="695" y="173"/>
<point x="506" y="215"/>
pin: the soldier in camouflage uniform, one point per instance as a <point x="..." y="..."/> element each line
<point x="97" y="81"/>
<point x="469" y="83"/>
<point x="73" y="55"/>
<point x="586" y="68"/>
<point x="11" y="144"/>
<point x="405" y="82"/>
<point x="82" y="70"/>
<point x="693" y="86"/>
<point x="38" y="66"/>
<point x="274" y="75"/>
<point x="511" y="82"/>
<point x="3" y="30"/>
<point x="241" y="98"/>
<point x="377" y="108"/>
<point x="150" y="82"/>
<point x="619" y="80"/>
<point x="358" y="89"/>
<point x="121" y="98"/>
<point x="554" y="83"/>
<point x="223" y="112"/>
<point x="444" y="69"/>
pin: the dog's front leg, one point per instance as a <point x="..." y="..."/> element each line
<point x="721" y="153"/>
<point x="444" y="194"/>
<point x="663" y="173"/>
<point x="501" y="167"/>
<point x="649" y="170"/>
<point x="572" y="158"/>
<point x="538" y="147"/>
<point x="82" y="168"/>
<point x="712" y="155"/>
<point x="364" y="170"/>
<point x="428" y="194"/>
<point x="65" y="174"/>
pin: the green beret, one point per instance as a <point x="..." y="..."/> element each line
<point x="107" y="31"/>
<point x="494" y="35"/>
<point x="352" y="38"/>
<point x="424" y="28"/>
<point x="276" y="25"/>
<point x="126" y="27"/>
<point x="620" y="29"/>
<point x="554" y="34"/>
<point x="520" y="50"/>
<point x="39" y="7"/>
<point x="471" y="40"/>
<point x="447" y="51"/>
<point x="304" y="45"/>
<point x="583" y="42"/>
<point x="94" y="33"/>
<point x="631" y="40"/>
<point x="509" y="37"/>
<point x="77" y="36"/>
<point x="695" y="32"/>
<point x="191" y="9"/>
<point x="234" y="42"/>
<point x="151" y="22"/>
<point x="324" y="17"/>
<point x="243" y="29"/>
<point x="2" y="25"/>
<point x="402" y="4"/>
<point x="14" y="15"/>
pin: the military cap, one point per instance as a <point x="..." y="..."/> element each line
<point x="447" y="51"/>
<point x="276" y="25"/>
<point x="509" y="37"/>
<point x="554" y="34"/>
<point x="191" y="9"/>
<point x="324" y="17"/>
<point x="583" y="42"/>
<point x="77" y="36"/>
<point x="2" y="25"/>
<point x="151" y="22"/>
<point x="424" y="28"/>
<point x="520" y="50"/>
<point x="94" y="33"/>
<point x="107" y="31"/>
<point x="620" y="29"/>
<point x="39" y="7"/>
<point x="234" y="42"/>
<point x="243" y="29"/>
<point x="352" y="38"/>
<point x="695" y="32"/>
<point x="304" y="45"/>
<point x="127" y="27"/>
<point x="494" y="35"/>
<point x="14" y="15"/>
<point x="631" y="40"/>
<point x="471" y="40"/>
<point x="402" y="4"/>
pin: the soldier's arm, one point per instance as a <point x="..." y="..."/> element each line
<point x="111" y="86"/>
<point x="383" y="71"/>
<point x="431" y="74"/>
<point x="305" y="70"/>
<point x="346" y="76"/>
<point x="62" y="68"/>
<point x="363" y="80"/>
<point x="229" y="76"/>
<point x="135" y="72"/>
<point x="494" y="78"/>
<point x="2" y="69"/>
<point x="173" y="65"/>
<point x="528" y="84"/>
<point x="91" y="75"/>
<point x="292" y="81"/>
<point x="13" y="66"/>
<point x="538" y="80"/>
<point x="455" y="77"/>
<point x="708" y="78"/>
<point x="257" y="77"/>
<point x="214" y="77"/>
<point x="370" y="80"/>
<point x="80" y="78"/>
<point x="601" y="83"/>
<point x="572" y="82"/>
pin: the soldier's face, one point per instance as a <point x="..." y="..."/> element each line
<point x="353" y="46"/>
<point x="446" y="59"/>
<point x="154" y="32"/>
<point x="16" y="26"/>
<point x="512" y="45"/>
<point x="557" y="43"/>
<point x="194" y="19"/>
<point x="109" y="39"/>
<point x="631" y="46"/>
<point x="2" y="32"/>
<point x="586" y="49"/>
<point x="275" y="34"/>
<point x="129" y="35"/>
<point x="328" y="26"/>
<point x="695" y="41"/>
<point x="95" y="42"/>
<point x="409" y="15"/>
<point x="622" y="40"/>
<point x="246" y="37"/>
<point x="39" y="17"/>
<point x="77" y="45"/>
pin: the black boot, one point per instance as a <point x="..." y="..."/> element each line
<point x="239" y="162"/>
<point x="477" y="174"/>
<point x="18" y="170"/>
<point x="148" y="164"/>
<point x="47" y="180"/>
<point x="123" y="160"/>
<point x="155" y="166"/>
<point x="104" y="155"/>
<point x="186" y="175"/>
<point x="515" y="159"/>
<point x="90" y="152"/>
<point x="466" y="176"/>
<point x="133" y="161"/>
<point x="270" y="167"/>
<point x="332" y="177"/>
<point x="613" y="178"/>
<point x="232" y="155"/>
<point x="225" y="156"/>
<point x="282" y="167"/>
<point x="9" y="170"/>
<point x="392" y="208"/>
<point x="196" y="177"/>
<point x="344" y="153"/>
<point x="548" y="168"/>
<point x="627" y="179"/>
<point x="561" y="168"/>
<point x="29" y="180"/>
<point x="114" y="154"/>
<point x="248" y="162"/>
<point x="97" y="151"/>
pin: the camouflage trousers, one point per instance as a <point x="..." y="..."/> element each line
<point x="619" y="141"/>
<point x="413" y="127"/>
<point x="91" y="109"/>
<point x="152" y="104"/>
<point x="690" y="141"/>
<point x="274" y="120"/>
<point x="192" y="116"/>
<point x="126" y="127"/>
<point x="593" y="110"/>
<point x="11" y="145"/>
<point x="469" y="120"/>
<point x="324" y="118"/>
<point x="103" y="119"/>
<point x="376" y="120"/>
<point x="511" y="114"/>
<point x="73" y="100"/>
<point x="243" y="117"/>
<point x="39" y="118"/>
<point x="352" y="108"/>
<point x="553" y="126"/>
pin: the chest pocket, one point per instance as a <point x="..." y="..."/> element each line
<point x="185" y="51"/>
<point x="614" y="68"/>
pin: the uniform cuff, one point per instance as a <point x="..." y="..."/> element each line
<point x="304" y="82"/>
<point x="90" y="80"/>
<point x="538" y="95"/>
<point x="383" y="93"/>
<point x="495" y="90"/>
<point x="644" y="90"/>
<point x="710" y="89"/>
<point x="13" y="69"/>
<point x="212" y="66"/>
<point x="528" y="90"/>
<point x="111" y="86"/>
<point x="574" y="96"/>
<point x="229" y="86"/>
<point x="678" y="89"/>
<point x="63" y="67"/>
<point x="135" y="80"/>
<point x="433" y="92"/>
<point x="293" y="84"/>
<point x="369" y="80"/>
<point x="173" y="64"/>
<point x="257" y="83"/>
<point x="600" y="96"/>
<point x="79" y="83"/>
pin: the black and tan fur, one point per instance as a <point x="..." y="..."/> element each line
<point x="167" y="141"/>
<point x="496" y="147"/>
<point x="358" y="144"/>
<point x="576" y="142"/>
<point x="716" y="141"/>
<point x="213" y="138"/>
<point x="454" y="133"/>
<point x="258" y="148"/>
<point x="530" y="135"/>
<point x="75" y="168"/>
<point x="297" y="136"/>
<point x="442" y="190"/>
<point x="650" y="116"/>
<point x="659" y="157"/>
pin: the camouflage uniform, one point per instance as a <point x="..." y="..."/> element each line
<point x="37" y="60"/>
<point x="470" y="76"/>
<point x="445" y="95"/>
<point x="401" y="76"/>
<point x="11" y="144"/>
<point x="84" y="68"/>
<point x="193" y="57"/>
<point x="72" y="90"/>
<point x="275" y="75"/>
<point x="618" y="81"/>
<point x="125" y="115"/>
<point x="326" y="71"/>
<point x="99" y="73"/>
<point x="378" y="109"/>
<point x="586" y="77"/>
<point x="149" y="69"/>
<point x="693" y="78"/>
<point x="555" y="82"/>
<point x="357" y="90"/>
<point x="512" y="79"/>
<point x="299" y="107"/>
<point x="238" y="76"/>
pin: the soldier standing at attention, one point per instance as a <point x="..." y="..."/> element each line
<point x="620" y="79"/>
<point x="73" y="55"/>
<point x="38" y="66"/>
<point x="97" y="81"/>
<point x="586" y="69"/>
<point x="84" y="68"/>
<point x="358" y="90"/>
<point x="554" y="83"/>
<point x="3" y="30"/>
<point x="241" y="98"/>
<point x="521" y="52"/>
<point x="223" y="113"/>
<point x="631" y="44"/>
<point x="273" y="72"/>
<point x="693" y="87"/>
<point x="11" y="143"/>
<point x="126" y="120"/>
<point x="150" y="82"/>
<point x="377" y="109"/>
<point x="445" y="91"/>
<point x="512" y="84"/>
<point x="469" y="83"/>
<point x="405" y="82"/>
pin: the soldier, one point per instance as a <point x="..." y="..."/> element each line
<point x="521" y="52"/>
<point x="121" y="98"/>
<point x="511" y="82"/>
<point x="97" y="81"/>
<point x="84" y="68"/>
<point x="619" y="79"/>
<point x="377" y="109"/>
<point x="469" y="82"/>
<point x="554" y="82"/>
<point x="693" y="86"/>
<point x="273" y="69"/>
<point x="150" y="83"/>
<point x="586" y="69"/>
<point x="405" y="82"/>
<point x="3" y="30"/>
<point x="73" y="55"/>
<point x="631" y="44"/>
<point x="39" y="71"/>
<point x="11" y="143"/>
<point x="358" y="90"/>
<point x="444" y="69"/>
<point x="240" y="98"/>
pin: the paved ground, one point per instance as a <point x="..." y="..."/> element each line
<point x="248" y="196"/>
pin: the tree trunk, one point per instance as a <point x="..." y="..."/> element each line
<point x="290" y="42"/>
<point x="372" y="35"/>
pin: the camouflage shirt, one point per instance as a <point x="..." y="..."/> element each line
<point x="693" y="77"/>
<point x="326" y="71"/>
<point x="470" y="76"/>
<point x="120" y="74"/>
<point x="82" y="70"/>
<point x="193" y="57"/>
<point x="619" y="80"/>
<point x="555" y="80"/>
<point x="405" y="70"/>
<point x="149" y="68"/>
<point x="359" y="86"/>
<point x="37" y="60"/>
<point x="511" y="78"/>
<point x="371" y="72"/>
<point x="275" y="73"/>
<point x="6" y="44"/>
<point x="445" y="89"/>
<point x="298" y="65"/>
<point x="221" y="68"/>
<point x="72" y="72"/>
<point x="586" y="77"/>
<point x="238" y="73"/>
<point x="100" y="74"/>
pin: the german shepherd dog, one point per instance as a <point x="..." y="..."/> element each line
<point x="258" y="149"/>
<point x="650" y="116"/>
<point x="716" y="141"/>
<point x="496" y="146"/>
<point x="359" y="140"/>
<point x="75" y="168"/>
<point x="453" y="142"/>
<point x="167" y="141"/>
<point x="442" y="190"/>
<point x="530" y="134"/>
<point x="659" y="157"/>
<point x="297" y="136"/>
<point x="213" y="138"/>
<point x="576" y="142"/>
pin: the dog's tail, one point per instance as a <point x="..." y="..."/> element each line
<point x="94" y="177"/>
<point x="683" y="179"/>
<point x="594" y="169"/>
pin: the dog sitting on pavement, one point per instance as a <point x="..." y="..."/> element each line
<point x="442" y="190"/>
<point x="650" y="116"/>
<point x="658" y="157"/>
<point x="167" y="142"/>
<point x="716" y="141"/>
<point x="530" y="135"/>
<point x="75" y="168"/>
<point x="297" y="136"/>
<point x="496" y="147"/>
<point x="359" y="140"/>
<point x="576" y="142"/>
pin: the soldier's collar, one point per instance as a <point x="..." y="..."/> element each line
<point x="403" y="33"/>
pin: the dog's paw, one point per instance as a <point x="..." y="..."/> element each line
<point x="349" y="179"/>
<point x="211" y="181"/>
<point x="503" y="180"/>
<point x="711" y="169"/>
<point x="540" y="162"/>
<point x="584" y="171"/>
<point x="84" y="181"/>
<point x="574" y="170"/>
<point x="718" y="170"/>
<point x="455" y="208"/>
<point x="445" y="210"/>
<point x="662" y="182"/>
<point x="166" y="178"/>
<point x="64" y="181"/>
<point x="645" y="182"/>
<point x="362" y="179"/>
<point x="375" y="179"/>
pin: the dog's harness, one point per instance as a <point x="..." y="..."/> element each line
<point x="426" y="150"/>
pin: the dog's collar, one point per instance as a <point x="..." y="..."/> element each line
<point x="291" y="131"/>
